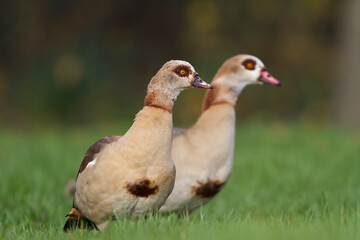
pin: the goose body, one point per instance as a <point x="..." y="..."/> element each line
<point x="203" y="154"/>
<point x="202" y="170"/>
<point x="133" y="174"/>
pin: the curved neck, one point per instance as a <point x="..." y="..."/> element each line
<point x="160" y="100"/>
<point x="220" y="94"/>
<point x="223" y="93"/>
<point x="149" y="137"/>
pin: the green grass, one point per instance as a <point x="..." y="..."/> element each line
<point x="289" y="182"/>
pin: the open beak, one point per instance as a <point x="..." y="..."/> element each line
<point x="266" y="77"/>
<point x="198" y="82"/>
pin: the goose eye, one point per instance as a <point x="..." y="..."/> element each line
<point x="249" y="64"/>
<point x="182" y="71"/>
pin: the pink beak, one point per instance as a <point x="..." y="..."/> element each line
<point x="266" y="77"/>
<point x="198" y="82"/>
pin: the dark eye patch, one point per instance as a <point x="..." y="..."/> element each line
<point x="249" y="64"/>
<point x="182" y="71"/>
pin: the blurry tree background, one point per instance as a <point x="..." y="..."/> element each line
<point x="83" y="62"/>
<point x="347" y="83"/>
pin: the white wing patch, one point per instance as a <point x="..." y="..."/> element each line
<point x="90" y="164"/>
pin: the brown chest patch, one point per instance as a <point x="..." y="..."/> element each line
<point x="95" y="149"/>
<point x="208" y="189"/>
<point x="142" y="188"/>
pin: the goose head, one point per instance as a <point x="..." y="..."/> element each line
<point x="170" y="80"/>
<point x="244" y="69"/>
<point x="175" y="76"/>
<point x="234" y="75"/>
<point x="178" y="74"/>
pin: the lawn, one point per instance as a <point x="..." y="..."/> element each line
<point x="293" y="181"/>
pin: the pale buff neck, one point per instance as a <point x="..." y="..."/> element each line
<point x="223" y="93"/>
<point x="162" y="100"/>
<point x="149" y="137"/>
<point x="216" y="126"/>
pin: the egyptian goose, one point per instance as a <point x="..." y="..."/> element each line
<point x="133" y="174"/>
<point x="201" y="174"/>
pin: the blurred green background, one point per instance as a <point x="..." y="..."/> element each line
<point x="72" y="72"/>
<point x="89" y="62"/>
